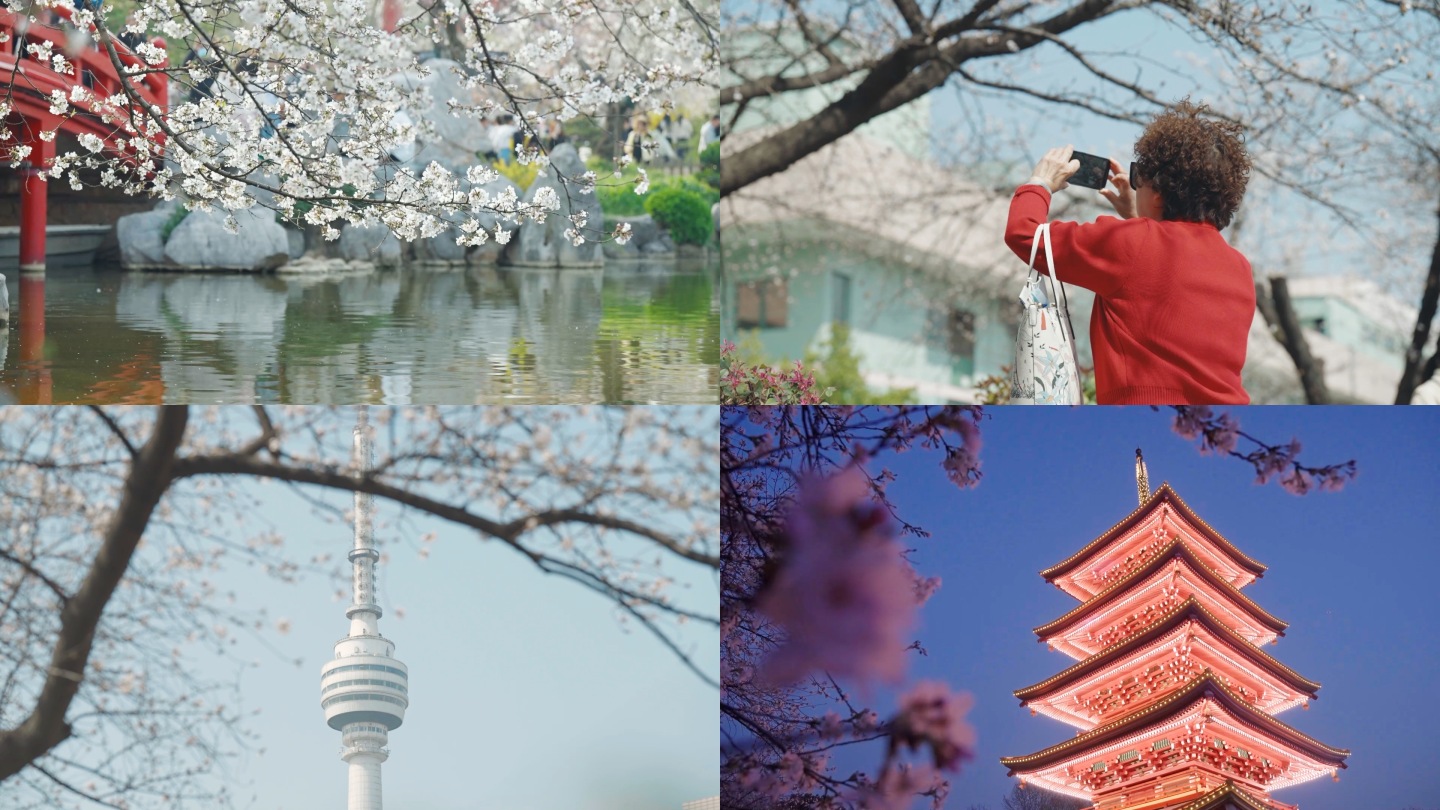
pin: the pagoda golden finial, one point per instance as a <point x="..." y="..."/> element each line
<point x="1142" y="477"/>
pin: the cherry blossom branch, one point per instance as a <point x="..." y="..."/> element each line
<point x="150" y="475"/>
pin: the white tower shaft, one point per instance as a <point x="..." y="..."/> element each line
<point x="364" y="689"/>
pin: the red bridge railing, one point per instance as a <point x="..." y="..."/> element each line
<point x="28" y="83"/>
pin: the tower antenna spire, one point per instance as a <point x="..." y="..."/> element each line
<point x="364" y="689"/>
<point x="1142" y="477"/>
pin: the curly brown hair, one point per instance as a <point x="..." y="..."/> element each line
<point x="1198" y="165"/>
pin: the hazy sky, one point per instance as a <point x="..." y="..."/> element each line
<point x="526" y="692"/>
<point x="1354" y="573"/>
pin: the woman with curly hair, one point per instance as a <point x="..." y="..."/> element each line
<point x="1173" y="300"/>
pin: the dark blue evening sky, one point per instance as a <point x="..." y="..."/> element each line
<point x="1354" y="573"/>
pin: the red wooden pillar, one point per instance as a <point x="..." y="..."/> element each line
<point x="389" y="15"/>
<point x="33" y="188"/>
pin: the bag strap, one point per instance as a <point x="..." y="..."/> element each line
<point x="1060" y="299"/>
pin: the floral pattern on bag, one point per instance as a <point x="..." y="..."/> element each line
<point x="1046" y="371"/>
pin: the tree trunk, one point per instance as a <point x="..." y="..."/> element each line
<point x="1279" y="312"/>
<point x="1417" y="370"/>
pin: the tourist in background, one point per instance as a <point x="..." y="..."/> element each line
<point x="681" y="134"/>
<point x="1173" y="300"/>
<point x="637" y="143"/>
<point x="711" y="133"/>
<point x="502" y="139"/>
<point x="132" y="38"/>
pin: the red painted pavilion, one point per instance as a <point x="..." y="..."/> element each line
<point x="1172" y="693"/>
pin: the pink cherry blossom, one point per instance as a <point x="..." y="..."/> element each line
<point x="934" y="717"/>
<point x="845" y="595"/>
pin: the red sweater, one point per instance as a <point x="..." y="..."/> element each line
<point x="1173" y="302"/>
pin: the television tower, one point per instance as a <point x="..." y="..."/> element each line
<point x="364" y="690"/>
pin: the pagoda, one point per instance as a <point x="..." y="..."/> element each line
<point x="1172" y="693"/>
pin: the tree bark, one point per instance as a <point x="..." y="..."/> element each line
<point x="1310" y="368"/>
<point x="1417" y="370"/>
<point x="147" y="481"/>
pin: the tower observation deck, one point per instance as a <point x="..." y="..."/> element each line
<point x="364" y="689"/>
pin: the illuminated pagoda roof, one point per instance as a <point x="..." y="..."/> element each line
<point x="1135" y="671"/>
<point x="1201" y="727"/>
<point x="1145" y="586"/>
<point x="1230" y="797"/>
<point x="1081" y="574"/>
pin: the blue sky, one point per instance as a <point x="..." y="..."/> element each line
<point x="1354" y="573"/>
<point x="527" y="693"/>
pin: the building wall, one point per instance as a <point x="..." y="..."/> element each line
<point x="897" y="314"/>
<point x="1337" y="319"/>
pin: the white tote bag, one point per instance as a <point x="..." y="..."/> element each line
<point x="1046" y="371"/>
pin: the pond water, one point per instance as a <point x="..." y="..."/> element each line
<point x="633" y="333"/>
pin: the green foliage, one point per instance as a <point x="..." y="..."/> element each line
<point x="620" y="200"/>
<point x="685" y="214"/>
<point x="710" y="158"/>
<point x="709" y="173"/>
<point x="837" y="367"/>
<point x="710" y="194"/>
<point x="177" y="216"/>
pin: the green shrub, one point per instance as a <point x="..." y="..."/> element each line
<point x="177" y="216"/>
<point x="684" y="214"/>
<point x="710" y="158"/>
<point x="710" y="194"/>
<point x="620" y="200"/>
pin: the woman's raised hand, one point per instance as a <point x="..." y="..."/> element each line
<point x="1123" y="197"/>
<point x="1056" y="168"/>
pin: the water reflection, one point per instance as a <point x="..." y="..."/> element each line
<point x="630" y="333"/>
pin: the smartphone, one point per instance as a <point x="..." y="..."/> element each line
<point x="1094" y="171"/>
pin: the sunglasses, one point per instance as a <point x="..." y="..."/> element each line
<point x="1134" y="174"/>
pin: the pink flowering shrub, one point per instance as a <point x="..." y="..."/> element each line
<point x="745" y="384"/>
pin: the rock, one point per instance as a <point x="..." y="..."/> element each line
<point x="545" y="244"/>
<point x="373" y="243"/>
<point x="458" y="138"/>
<point x="615" y="250"/>
<point x="200" y="241"/>
<point x="141" y="245"/>
<point x="319" y="265"/>
<point x="643" y="229"/>
<point x="296" y="239"/>
<point x="661" y="244"/>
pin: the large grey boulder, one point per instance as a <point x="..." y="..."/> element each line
<point x="295" y="241"/>
<point x="457" y="138"/>
<point x="545" y="244"/>
<point x="200" y="241"/>
<point x="140" y="237"/>
<point x="373" y="243"/>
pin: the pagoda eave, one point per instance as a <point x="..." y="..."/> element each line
<point x="1148" y="582"/>
<point x="1060" y="574"/>
<point x="1202" y="726"/>
<point x="1150" y="653"/>
<point x="1229" y="796"/>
